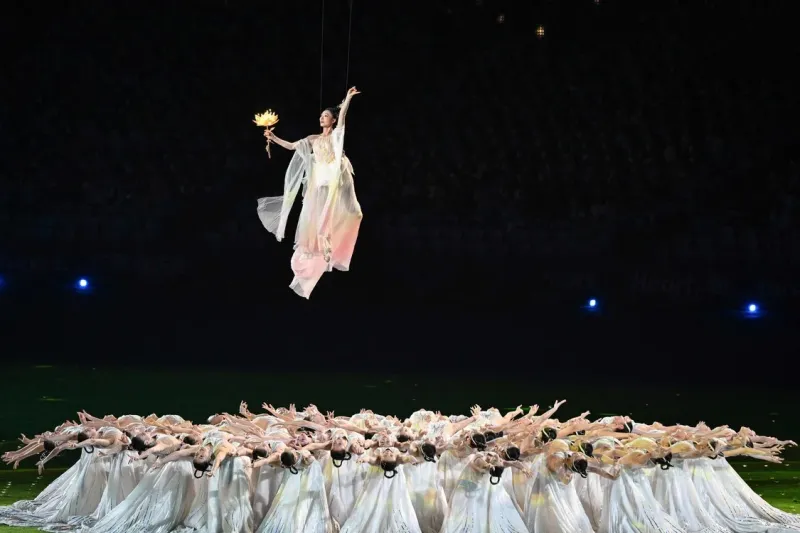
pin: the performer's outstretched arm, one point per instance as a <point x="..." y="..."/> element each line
<point x="280" y="142"/>
<point x="344" y="105"/>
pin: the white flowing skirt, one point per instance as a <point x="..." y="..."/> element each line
<point x="675" y="492"/>
<point x="266" y="482"/>
<point x="477" y="506"/>
<point x="229" y="509"/>
<point x="739" y="490"/>
<point x="158" y="504"/>
<point x="726" y="509"/>
<point x="383" y="506"/>
<point x="631" y="507"/>
<point x="17" y="513"/>
<point x="300" y="504"/>
<point x="552" y="506"/>
<point x="343" y="486"/>
<point x="427" y="496"/>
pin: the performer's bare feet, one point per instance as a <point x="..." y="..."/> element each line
<point x="326" y="249"/>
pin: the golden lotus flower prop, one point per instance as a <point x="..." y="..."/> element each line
<point x="267" y="119"/>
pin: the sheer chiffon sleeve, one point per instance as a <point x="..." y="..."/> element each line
<point x="274" y="210"/>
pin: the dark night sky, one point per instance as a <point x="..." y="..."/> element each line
<point x="642" y="155"/>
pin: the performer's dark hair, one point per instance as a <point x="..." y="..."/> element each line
<point x="512" y="453"/>
<point x="478" y="440"/>
<point x="549" y="434"/>
<point x="333" y="111"/>
<point x="428" y="452"/>
<point x="259" y="453"/>
<point x="587" y="448"/>
<point x="338" y="457"/>
<point x="495" y="473"/>
<point x="389" y="467"/>
<point x="200" y="466"/>
<point x="190" y="440"/>
<point x="580" y="466"/>
<point x="287" y="459"/>
<point x="664" y="462"/>
<point x="403" y="438"/>
<point x="138" y="444"/>
<point x="49" y="445"/>
<point x="82" y="436"/>
<point x="368" y="435"/>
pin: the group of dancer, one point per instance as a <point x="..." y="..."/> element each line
<point x="290" y="471"/>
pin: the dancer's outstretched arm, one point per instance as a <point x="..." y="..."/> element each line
<point x="174" y="456"/>
<point x="317" y="446"/>
<point x="762" y="454"/>
<point x="69" y="445"/>
<point x="613" y="474"/>
<point x="160" y="446"/>
<point x="16" y="457"/>
<point x="344" y="424"/>
<point x="99" y="442"/>
<point x="223" y="452"/>
<point x="517" y="465"/>
<point x="345" y="105"/>
<point x="280" y="142"/>
<point x="454" y="427"/>
<point x="549" y="413"/>
<point x="243" y="425"/>
<point x="112" y="450"/>
<point x="274" y="412"/>
<point x="301" y="423"/>
<point x="272" y="460"/>
<point x="245" y="412"/>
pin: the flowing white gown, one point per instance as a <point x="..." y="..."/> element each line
<point x="739" y="490"/>
<point x="345" y="484"/>
<point x="331" y="215"/>
<point x="229" y="509"/>
<point x="427" y="496"/>
<point x="631" y="507"/>
<point x="675" y="492"/>
<point x="300" y="504"/>
<point x="20" y="512"/>
<point x="384" y="505"/>
<point x="76" y="492"/>
<point x="552" y="506"/>
<point x="266" y="480"/>
<point x="125" y="472"/>
<point x="591" y="490"/>
<point x="725" y="508"/>
<point x="450" y="467"/>
<point x="197" y="516"/>
<point x="158" y="504"/>
<point x="478" y="506"/>
<point x="80" y="497"/>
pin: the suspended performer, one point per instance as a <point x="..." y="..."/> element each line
<point x="331" y="216"/>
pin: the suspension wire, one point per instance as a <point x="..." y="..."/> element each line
<point x="349" y="39"/>
<point x="321" y="54"/>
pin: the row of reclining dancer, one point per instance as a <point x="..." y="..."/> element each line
<point x="290" y="471"/>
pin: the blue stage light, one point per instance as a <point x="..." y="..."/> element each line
<point x="592" y="303"/>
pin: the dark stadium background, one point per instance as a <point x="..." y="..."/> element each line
<point x="640" y="153"/>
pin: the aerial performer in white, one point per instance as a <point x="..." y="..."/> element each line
<point x="331" y="216"/>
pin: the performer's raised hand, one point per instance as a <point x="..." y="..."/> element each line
<point x="352" y="91"/>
